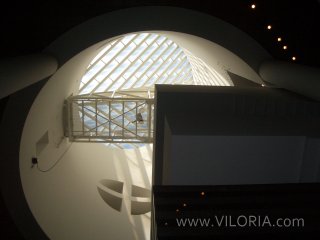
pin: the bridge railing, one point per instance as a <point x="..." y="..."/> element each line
<point x="109" y="119"/>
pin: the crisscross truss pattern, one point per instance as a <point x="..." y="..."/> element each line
<point x="115" y="101"/>
<point x="137" y="61"/>
<point x="112" y="120"/>
<point x="203" y="74"/>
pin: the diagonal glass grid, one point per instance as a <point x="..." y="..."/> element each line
<point x="133" y="61"/>
<point x="137" y="61"/>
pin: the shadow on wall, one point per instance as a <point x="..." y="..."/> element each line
<point x="111" y="192"/>
<point x="136" y="170"/>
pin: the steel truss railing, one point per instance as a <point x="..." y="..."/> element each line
<point x="110" y="118"/>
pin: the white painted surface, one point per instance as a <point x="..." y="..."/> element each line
<point x="65" y="201"/>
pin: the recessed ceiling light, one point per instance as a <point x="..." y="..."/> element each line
<point x="294" y="58"/>
<point x="253" y="6"/>
<point x="279" y="39"/>
<point x="285" y="47"/>
<point x="269" y="27"/>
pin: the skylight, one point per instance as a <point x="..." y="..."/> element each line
<point x="137" y="61"/>
<point x="130" y="66"/>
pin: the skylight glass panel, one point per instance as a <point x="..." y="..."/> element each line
<point x="103" y="74"/>
<point x="138" y="51"/>
<point x="100" y="54"/>
<point x="173" y="66"/>
<point x="89" y="87"/>
<point x="123" y="54"/>
<point x="117" y="84"/>
<point x="104" y="85"/>
<point x="151" y="38"/>
<point x="161" y="39"/>
<point x="169" y="51"/>
<point x="119" y="70"/>
<point x="151" y="81"/>
<point x="158" y="52"/>
<point x="140" y="38"/>
<point x="114" y="51"/>
<point x="126" y="39"/>
<point x="150" y="50"/>
<point x="129" y="82"/>
<point x="96" y="68"/>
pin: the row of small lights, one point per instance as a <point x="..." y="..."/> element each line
<point x="279" y="39"/>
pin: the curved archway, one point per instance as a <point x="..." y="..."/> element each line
<point x="91" y="35"/>
<point x="161" y="18"/>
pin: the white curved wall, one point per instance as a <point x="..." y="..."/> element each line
<point x="151" y="18"/>
<point x="293" y="77"/>
<point x="48" y="194"/>
<point x="66" y="203"/>
<point x="65" y="200"/>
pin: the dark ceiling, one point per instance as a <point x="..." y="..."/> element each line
<point x="29" y="26"/>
